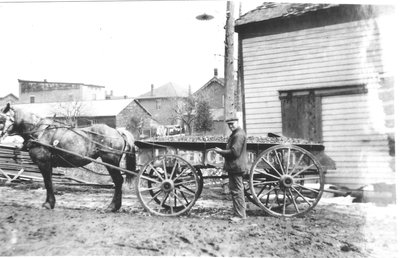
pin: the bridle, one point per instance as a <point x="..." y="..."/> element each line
<point x="8" y="122"/>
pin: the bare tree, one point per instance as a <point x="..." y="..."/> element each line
<point x="184" y="110"/>
<point x="70" y="111"/>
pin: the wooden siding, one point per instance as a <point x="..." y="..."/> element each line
<point x="330" y="56"/>
<point x="339" y="55"/>
<point x="353" y="138"/>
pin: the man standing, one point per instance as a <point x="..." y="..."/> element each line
<point x="235" y="164"/>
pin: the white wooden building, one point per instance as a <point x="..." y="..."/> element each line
<point x="323" y="72"/>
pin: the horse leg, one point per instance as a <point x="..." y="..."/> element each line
<point x="118" y="180"/>
<point x="46" y="170"/>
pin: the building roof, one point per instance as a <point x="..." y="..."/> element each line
<point x="168" y="90"/>
<point x="269" y="10"/>
<point x="57" y="83"/>
<point x="93" y="108"/>
<point x="219" y="81"/>
<point x="10" y="95"/>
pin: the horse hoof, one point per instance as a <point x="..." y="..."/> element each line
<point x="47" y="205"/>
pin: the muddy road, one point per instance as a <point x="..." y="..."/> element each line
<point x="78" y="226"/>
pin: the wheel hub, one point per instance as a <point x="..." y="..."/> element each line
<point x="286" y="181"/>
<point x="167" y="185"/>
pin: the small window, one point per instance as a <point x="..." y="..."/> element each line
<point x="158" y="104"/>
<point x="32" y="99"/>
<point x="70" y="97"/>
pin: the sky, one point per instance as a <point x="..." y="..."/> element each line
<point x="123" y="45"/>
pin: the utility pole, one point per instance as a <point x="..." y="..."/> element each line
<point x="229" y="104"/>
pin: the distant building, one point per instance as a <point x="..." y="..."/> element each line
<point x="9" y="98"/>
<point x="214" y="93"/>
<point x="44" y="91"/>
<point x="162" y="101"/>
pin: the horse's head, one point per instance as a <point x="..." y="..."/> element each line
<point x="7" y="118"/>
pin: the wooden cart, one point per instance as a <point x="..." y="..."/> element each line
<point x="284" y="180"/>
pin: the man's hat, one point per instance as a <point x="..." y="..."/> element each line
<point x="231" y="119"/>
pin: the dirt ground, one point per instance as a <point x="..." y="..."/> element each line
<point x="78" y="226"/>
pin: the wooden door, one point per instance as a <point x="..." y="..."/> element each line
<point x="301" y="115"/>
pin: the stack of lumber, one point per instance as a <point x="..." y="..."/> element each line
<point x="16" y="164"/>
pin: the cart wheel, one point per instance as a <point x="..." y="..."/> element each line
<point x="247" y="190"/>
<point x="286" y="181"/>
<point x="201" y="180"/>
<point x="168" y="186"/>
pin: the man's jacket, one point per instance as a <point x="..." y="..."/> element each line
<point x="236" y="152"/>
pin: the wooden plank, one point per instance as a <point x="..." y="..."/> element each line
<point x="340" y="99"/>
<point x="324" y="75"/>
<point x="313" y="34"/>
<point x="329" y="82"/>
<point x="308" y="51"/>
<point x="307" y="62"/>
<point x="263" y="115"/>
<point x="299" y="48"/>
<point x="313" y="56"/>
<point x="267" y="106"/>
<point x="354" y="27"/>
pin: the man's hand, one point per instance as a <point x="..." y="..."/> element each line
<point x="218" y="150"/>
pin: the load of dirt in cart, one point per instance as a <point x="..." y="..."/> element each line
<point x="269" y="139"/>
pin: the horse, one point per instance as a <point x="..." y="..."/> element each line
<point x="94" y="141"/>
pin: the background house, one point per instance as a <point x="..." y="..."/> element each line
<point x="44" y="91"/>
<point x="162" y="101"/>
<point x="317" y="71"/>
<point x="214" y="93"/>
<point x="9" y="98"/>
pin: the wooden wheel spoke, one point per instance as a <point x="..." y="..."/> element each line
<point x="182" y="173"/>
<point x="265" y="183"/>
<point x="304" y="169"/>
<point x="161" y="204"/>
<point x="307" y="188"/>
<point x="149" y="179"/>
<point x="279" y="161"/>
<point x="165" y="168"/>
<point x="284" y="202"/>
<point x="173" y="168"/>
<point x="186" y="190"/>
<point x="156" y="172"/>
<point x="302" y="196"/>
<point x="294" y="200"/>
<point x="262" y="189"/>
<point x="149" y="189"/>
<point x="185" y="182"/>
<point x="297" y="163"/>
<point x="154" y="197"/>
<point x="288" y="161"/>
<point x="179" y="199"/>
<point x="183" y="195"/>
<point x="269" y="191"/>
<point x="306" y="178"/>
<point x="266" y="173"/>
<point x="269" y="164"/>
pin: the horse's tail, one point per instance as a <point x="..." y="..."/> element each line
<point x="130" y="153"/>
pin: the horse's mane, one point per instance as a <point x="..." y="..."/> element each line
<point x="128" y="136"/>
